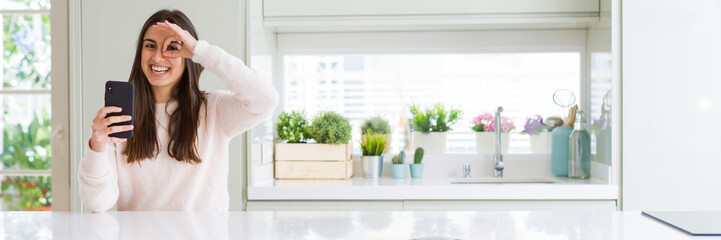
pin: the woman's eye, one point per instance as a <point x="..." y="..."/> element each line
<point x="171" y="48"/>
<point x="149" y="46"/>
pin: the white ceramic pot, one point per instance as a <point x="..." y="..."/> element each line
<point x="541" y="143"/>
<point x="432" y="143"/>
<point x="485" y="143"/>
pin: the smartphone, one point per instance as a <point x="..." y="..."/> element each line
<point x="121" y="94"/>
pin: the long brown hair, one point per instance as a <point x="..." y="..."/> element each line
<point x="184" y="121"/>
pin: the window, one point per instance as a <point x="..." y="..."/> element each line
<point x="25" y="105"/>
<point x="366" y="85"/>
<point x="365" y="74"/>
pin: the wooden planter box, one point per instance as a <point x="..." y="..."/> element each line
<point x="313" y="161"/>
<point x="314" y="169"/>
<point x="312" y="152"/>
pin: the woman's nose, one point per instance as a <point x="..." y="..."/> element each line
<point x="158" y="56"/>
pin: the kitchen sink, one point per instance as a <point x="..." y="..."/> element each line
<point x="488" y="180"/>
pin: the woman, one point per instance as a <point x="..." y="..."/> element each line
<point x="177" y="158"/>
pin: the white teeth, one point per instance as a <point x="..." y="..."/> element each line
<point x="159" y="69"/>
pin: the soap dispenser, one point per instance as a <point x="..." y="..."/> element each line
<point x="579" y="149"/>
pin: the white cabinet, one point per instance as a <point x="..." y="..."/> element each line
<point x="671" y="65"/>
<point x="350" y="15"/>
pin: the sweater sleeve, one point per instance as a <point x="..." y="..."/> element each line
<point x="251" y="98"/>
<point x="98" y="179"/>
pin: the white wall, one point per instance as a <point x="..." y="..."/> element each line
<point x="671" y="142"/>
<point x="109" y="33"/>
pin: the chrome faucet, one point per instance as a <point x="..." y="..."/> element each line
<point x="466" y="170"/>
<point x="497" y="157"/>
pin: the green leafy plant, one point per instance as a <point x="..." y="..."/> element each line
<point x="434" y="119"/>
<point x="400" y="158"/>
<point x="373" y="144"/>
<point x="331" y="128"/>
<point x="293" y="127"/>
<point x="27" y="148"/>
<point x="376" y="125"/>
<point x="418" y="158"/>
<point x="25" y="47"/>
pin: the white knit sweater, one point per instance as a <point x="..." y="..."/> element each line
<point x="163" y="183"/>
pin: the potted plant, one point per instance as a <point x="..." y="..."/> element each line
<point x="329" y="157"/>
<point x="484" y="126"/>
<point x="397" y="166"/>
<point x="431" y="125"/>
<point x="380" y="126"/>
<point x="540" y="134"/>
<point x="293" y="127"/>
<point x="27" y="149"/>
<point x="330" y="128"/>
<point x="417" y="166"/>
<point x="372" y="161"/>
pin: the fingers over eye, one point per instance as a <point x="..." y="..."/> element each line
<point x="174" y="45"/>
<point x="171" y="46"/>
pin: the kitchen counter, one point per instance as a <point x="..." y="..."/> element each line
<point x="359" y="188"/>
<point x="335" y="225"/>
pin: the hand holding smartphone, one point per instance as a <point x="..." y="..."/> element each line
<point x="122" y="95"/>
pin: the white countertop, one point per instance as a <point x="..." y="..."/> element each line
<point x="335" y="225"/>
<point x="359" y="188"/>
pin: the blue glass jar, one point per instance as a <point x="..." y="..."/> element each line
<point x="559" y="150"/>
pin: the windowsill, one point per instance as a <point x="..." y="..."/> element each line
<point x="439" y="170"/>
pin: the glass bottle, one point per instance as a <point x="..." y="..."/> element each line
<point x="603" y="139"/>
<point x="579" y="149"/>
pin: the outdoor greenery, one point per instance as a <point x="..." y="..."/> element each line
<point x="330" y="127"/>
<point x="376" y="125"/>
<point x="25" y="65"/>
<point x="434" y="119"/>
<point x="293" y="127"/>
<point x="27" y="148"/>
<point x="26" y="51"/>
<point x="30" y="193"/>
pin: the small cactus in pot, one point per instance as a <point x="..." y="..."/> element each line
<point x="399" y="170"/>
<point x="417" y="166"/>
<point x="418" y="156"/>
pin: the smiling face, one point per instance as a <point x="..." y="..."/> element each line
<point x="162" y="72"/>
